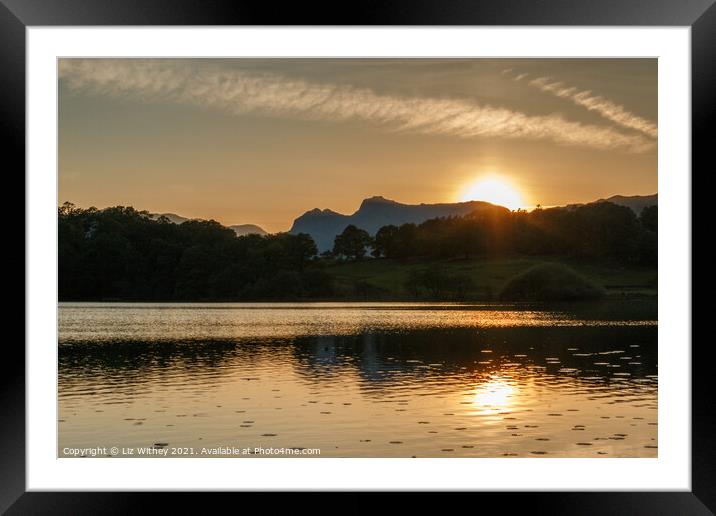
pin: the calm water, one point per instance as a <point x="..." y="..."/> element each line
<point x="359" y="379"/>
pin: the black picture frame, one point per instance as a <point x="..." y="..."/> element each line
<point x="700" y="15"/>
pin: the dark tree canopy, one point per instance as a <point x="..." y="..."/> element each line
<point x="602" y="231"/>
<point x="385" y="241"/>
<point x="122" y="253"/>
<point x="352" y="243"/>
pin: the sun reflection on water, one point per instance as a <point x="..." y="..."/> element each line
<point x="494" y="395"/>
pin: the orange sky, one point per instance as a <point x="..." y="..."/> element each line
<point x="263" y="140"/>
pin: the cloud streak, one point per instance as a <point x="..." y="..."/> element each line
<point x="240" y="92"/>
<point x="606" y="108"/>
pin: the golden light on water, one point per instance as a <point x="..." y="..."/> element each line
<point x="494" y="189"/>
<point x="493" y="395"/>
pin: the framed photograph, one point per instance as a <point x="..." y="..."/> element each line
<point x="415" y="250"/>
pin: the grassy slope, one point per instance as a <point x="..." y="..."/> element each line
<point x="488" y="275"/>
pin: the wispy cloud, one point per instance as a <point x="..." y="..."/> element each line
<point x="241" y="92"/>
<point x="604" y="107"/>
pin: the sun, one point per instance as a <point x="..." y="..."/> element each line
<point x="495" y="190"/>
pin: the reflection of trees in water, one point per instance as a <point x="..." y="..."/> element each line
<point x="380" y="360"/>
<point x="135" y="358"/>
<point x="393" y="358"/>
<point x="128" y="368"/>
<point x="132" y="365"/>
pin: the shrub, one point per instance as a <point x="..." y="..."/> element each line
<point x="550" y="282"/>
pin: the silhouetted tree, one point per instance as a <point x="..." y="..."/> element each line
<point x="385" y="241"/>
<point x="405" y="245"/>
<point x="603" y="230"/>
<point x="352" y="242"/>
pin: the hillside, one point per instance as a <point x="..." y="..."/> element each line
<point x="386" y="279"/>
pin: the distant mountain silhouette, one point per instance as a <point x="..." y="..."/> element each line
<point x="374" y="213"/>
<point x="239" y="229"/>
<point x="635" y="202"/>
<point x="247" y="229"/>
<point x="173" y="217"/>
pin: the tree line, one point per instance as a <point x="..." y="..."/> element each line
<point x="124" y="254"/>
<point x="121" y="253"/>
<point x="603" y="231"/>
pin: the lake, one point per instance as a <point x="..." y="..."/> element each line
<point x="358" y="380"/>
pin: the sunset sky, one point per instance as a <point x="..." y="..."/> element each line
<point x="261" y="141"/>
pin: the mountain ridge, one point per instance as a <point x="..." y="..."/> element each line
<point x="374" y="213"/>
<point x="239" y="229"/>
<point x="635" y="202"/>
